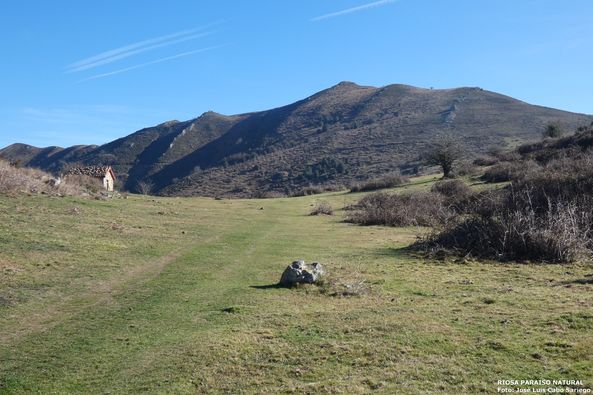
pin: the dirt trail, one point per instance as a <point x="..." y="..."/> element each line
<point x="100" y="293"/>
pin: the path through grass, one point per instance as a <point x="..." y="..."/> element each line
<point x="176" y="296"/>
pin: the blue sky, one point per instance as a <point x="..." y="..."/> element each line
<point x="81" y="72"/>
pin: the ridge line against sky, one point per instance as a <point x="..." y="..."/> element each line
<point x="352" y="10"/>
<point x="144" y="59"/>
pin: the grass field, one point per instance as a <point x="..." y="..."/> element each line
<point x="177" y="295"/>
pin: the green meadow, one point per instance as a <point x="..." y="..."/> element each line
<point x="179" y="295"/>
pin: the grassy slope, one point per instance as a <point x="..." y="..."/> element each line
<point x="129" y="295"/>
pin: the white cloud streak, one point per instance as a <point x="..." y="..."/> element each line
<point x="139" y="47"/>
<point x="151" y="63"/>
<point x="376" y="4"/>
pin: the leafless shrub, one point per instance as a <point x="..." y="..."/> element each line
<point x="268" y="195"/>
<point x="322" y="208"/>
<point x="465" y="168"/>
<point x="307" y="191"/>
<point x="389" y="181"/>
<point x="508" y="171"/>
<point x="406" y="209"/>
<point x="508" y="156"/>
<point x="560" y="234"/>
<point x="144" y="187"/>
<point x="452" y="188"/>
<point x="542" y="216"/>
<point x="486" y="160"/>
<point x="316" y="189"/>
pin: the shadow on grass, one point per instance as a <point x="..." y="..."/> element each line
<point x="580" y="281"/>
<point x="270" y="286"/>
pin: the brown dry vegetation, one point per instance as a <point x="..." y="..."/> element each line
<point x="16" y="181"/>
<point x="544" y="214"/>
<point x="405" y="209"/>
<point x="322" y="208"/>
<point x="388" y="181"/>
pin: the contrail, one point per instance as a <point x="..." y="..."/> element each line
<point x="137" y="51"/>
<point x="139" y="47"/>
<point x="353" y="9"/>
<point x="152" y="62"/>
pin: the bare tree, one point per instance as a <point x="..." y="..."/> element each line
<point x="144" y="187"/>
<point x="444" y="151"/>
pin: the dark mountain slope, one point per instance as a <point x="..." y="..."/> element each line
<point x="55" y="158"/>
<point x="52" y="159"/>
<point x="22" y="153"/>
<point x="344" y="133"/>
<point x="371" y="131"/>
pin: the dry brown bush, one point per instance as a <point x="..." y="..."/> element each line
<point x="268" y="195"/>
<point x="509" y="227"/>
<point x="16" y="181"/>
<point x="322" y="208"/>
<point x="406" y="209"/>
<point x="508" y="171"/>
<point x="465" y="168"/>
<point x="544" y="215"/>
<point x="486" y="160"/>
<point x="452" y="188"/>
<point x="316" y="190"/>
<point x="388" y="181"/>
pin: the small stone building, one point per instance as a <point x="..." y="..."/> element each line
<point x="104" y="173"/>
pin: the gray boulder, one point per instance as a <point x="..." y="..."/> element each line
<point x="301" y="273"/>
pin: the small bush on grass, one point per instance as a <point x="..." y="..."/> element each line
<point x="407" y="209"/>
<point x="465" y="168"/>
<point x="268" y="195"/>
<point x="486" y="160"/>
<point x="508" y="171"/>
<point x="316" y="190"/>
<point x="322" y="208"/>
<point x="452" y="188"/>
<point x="457" y="194"/>
<point x="390" y="181"/>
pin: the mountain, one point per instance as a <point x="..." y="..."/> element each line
<point x="339" y="135"/>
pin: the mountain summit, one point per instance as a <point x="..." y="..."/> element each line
<point x="345" y="133"/>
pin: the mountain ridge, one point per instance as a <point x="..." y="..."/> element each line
<point x="339" y="135"/>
